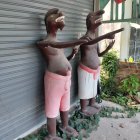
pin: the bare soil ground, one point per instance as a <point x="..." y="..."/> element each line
<point x="117" y="129"/>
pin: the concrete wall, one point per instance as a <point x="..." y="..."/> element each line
<point x="122" y="39"/>
<point x="125" y="35"/>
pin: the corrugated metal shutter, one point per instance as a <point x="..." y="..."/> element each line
<point x="21" y="63"/>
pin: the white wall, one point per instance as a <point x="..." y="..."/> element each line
<point x="121" y="39"/>
<point x="125" y="35"/>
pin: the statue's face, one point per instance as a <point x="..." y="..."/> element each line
<point x="95" y="19"/>
<point x="57" y="20"/>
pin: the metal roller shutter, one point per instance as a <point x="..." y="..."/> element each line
<point x="21" y="63"/>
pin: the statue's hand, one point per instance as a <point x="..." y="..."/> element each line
<point x="75" y="51"/>
<point x="110" y="36"/>
<point x="111" y="44"/>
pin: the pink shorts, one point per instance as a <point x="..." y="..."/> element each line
<point x="57" y="93"/>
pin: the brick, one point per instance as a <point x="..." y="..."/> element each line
<point x="136" y="71"/>
<point x="138" y="65"/>
<point x="126" y="69"/>
<point x="123" y="65"/>
<point x="132" y="65"/>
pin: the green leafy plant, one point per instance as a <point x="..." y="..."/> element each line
<point x="110" y="67"/>
<point x="130" y="85"/>
<point x="110" y="63"/>
<point x="80" y="123"/>
<point x="109" y="86"/>
<point x="125" y="112"/>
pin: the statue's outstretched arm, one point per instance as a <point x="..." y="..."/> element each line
<point x="109" y="35"/>
<point x="61" y="44"/>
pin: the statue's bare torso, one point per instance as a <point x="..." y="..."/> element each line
<point x="56" y="60"/>
<point x="89" y="54"/>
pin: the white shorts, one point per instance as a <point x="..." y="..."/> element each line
<point x="87" y="81"/>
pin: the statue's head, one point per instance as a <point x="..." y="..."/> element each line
<point x="54" y="19"/>
<point x="94" y="19"/>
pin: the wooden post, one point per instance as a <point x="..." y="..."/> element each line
<point x="117" y="11"/>
<point x="111" y="10"/>
<point x="139" y="10"/>
<point x="134" y="8"/>
<point x="123" y="9"/>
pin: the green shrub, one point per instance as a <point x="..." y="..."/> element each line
<point x="110" y="63"/>
<point x="130" y="85"/>
<point x="110" y="68"/>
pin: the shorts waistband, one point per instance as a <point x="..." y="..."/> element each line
<point x="57" y="76"/>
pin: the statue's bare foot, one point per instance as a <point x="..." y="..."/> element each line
<point x="69" y="131"/>
<point x="52" y="138"/>
<point x="95" y="105"/>
<point x="89" y="111"/>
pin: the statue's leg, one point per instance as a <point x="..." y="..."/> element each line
<point x="51" y="126"/>
<point x="92" y="103"/>
<point x="65" y="128"/>
<point x="87" y="110"/>
<point x="83" y="103"/>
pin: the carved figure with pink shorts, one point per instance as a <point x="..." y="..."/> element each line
<point x="57" y="79"/>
